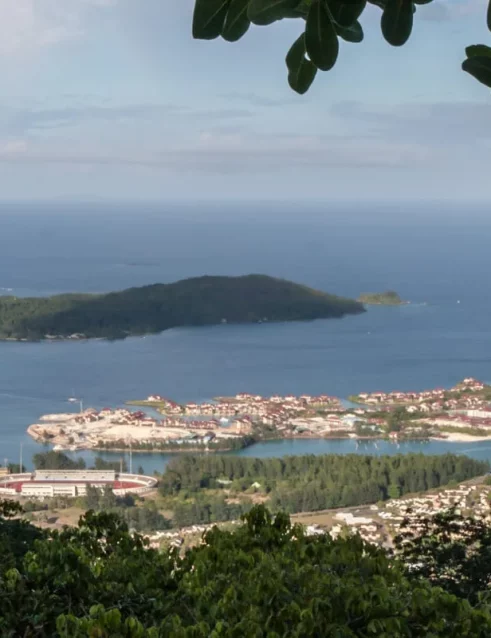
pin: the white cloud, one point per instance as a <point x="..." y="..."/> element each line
<point x="29" y="25"/>
<point x="12" y="148"/>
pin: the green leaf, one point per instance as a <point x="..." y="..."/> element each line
<point x="346" y="13"/>
<point x="301" y="70"/>
<point x="321" y="39"/>
<point x="300" y="11"/>
<point x="397" y="21"/>
<point x="479" y="66"/>
<point x="354" y="33"/>
<point x="478" y="49"/>
<point x="236" y="23"/>
<point x="422" y="1"/>
<point x="264" y="12"/>
<point x="296" y="53"/>
<point x="208" y="19"/>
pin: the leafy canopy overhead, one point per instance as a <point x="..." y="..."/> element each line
<point x="326" y="21"/>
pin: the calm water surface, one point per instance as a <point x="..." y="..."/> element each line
<point x="432" y="257"/>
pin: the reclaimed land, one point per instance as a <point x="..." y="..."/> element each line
<point x="151" y="309"/>
<point x="461" y="413"/>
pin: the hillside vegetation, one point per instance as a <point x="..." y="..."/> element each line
<point x="151" y="309"/>
<point x="207" y="489"/>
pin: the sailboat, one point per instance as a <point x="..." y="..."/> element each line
<point x="73" y="398"/>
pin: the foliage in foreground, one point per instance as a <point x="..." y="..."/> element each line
<point x="317" y="47"/>
<point x="264" y="579"/>
<point x="449" y="550"/>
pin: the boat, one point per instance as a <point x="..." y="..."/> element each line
<point x="72" y="400"/>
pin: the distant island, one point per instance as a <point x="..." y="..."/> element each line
<point x="151" y="309"/>
<point x="388" y="298"/>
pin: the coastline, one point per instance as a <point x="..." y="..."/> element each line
<point x="452" y="438"/>
<point x="457" y="437"/>
<point x="188" y="450"/>
<point x="383" y="303"/>
<point x="461" y="414"/>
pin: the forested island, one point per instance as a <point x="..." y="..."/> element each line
<point x="151" y="309"/>
<point x="388" y="298"/>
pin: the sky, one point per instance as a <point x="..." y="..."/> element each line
<point x="113" y="100"/>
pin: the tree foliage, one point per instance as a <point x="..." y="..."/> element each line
<point x="145" y="518"/>
<point x="265" y="579"/>
<point x="56" y="461"/>
<point x="450" y="550"/>
<point x="325" y="22"/>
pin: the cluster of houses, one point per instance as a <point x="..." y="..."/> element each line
<point x="472" y="499"/>
<point x="118" y="416"/>
<point x="429" y="400"/>
<point x="251" y="404"/>
<point x="122" y="428"/>
<point x="177" y="538"/>
<point x="242" y="410"/>
<point x="141" y="419"/>
<point x="367" y="528"/>
<point x="385" y="522"/>
<point x="382" y="523"/>
<point x="466" y="405"/>
<point x="474" y="419"/>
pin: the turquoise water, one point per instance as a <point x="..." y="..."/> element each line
<point x="430" y="256"/>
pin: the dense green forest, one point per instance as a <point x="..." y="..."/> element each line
<point x="151" y="309"/>
<point x="199" y="484"/>
<point x="266" y="579"/>
<point x="208" y="489"/>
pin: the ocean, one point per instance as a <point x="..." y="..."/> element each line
<point x="434" y="255"/>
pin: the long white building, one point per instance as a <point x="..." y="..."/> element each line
<point x="49" y="483"/>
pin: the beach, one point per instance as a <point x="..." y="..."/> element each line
<point x="460" y="437"/>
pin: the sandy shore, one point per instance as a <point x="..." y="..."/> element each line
<point x="457" y="437"/>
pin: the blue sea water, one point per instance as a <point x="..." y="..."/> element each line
<point x="435" y="256"/>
